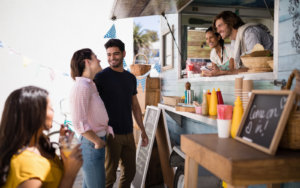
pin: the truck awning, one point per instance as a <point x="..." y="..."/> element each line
<point x="137" y="8"/>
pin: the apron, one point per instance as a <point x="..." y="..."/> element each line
<point x="226" y="65"/>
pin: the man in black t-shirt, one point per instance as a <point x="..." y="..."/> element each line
<point x="117" y="89"/>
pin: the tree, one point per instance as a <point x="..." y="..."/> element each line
<point x="153" y="35"/>
<point x="141" y="39"/>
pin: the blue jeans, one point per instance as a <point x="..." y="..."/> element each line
<point x="93" y="164"/>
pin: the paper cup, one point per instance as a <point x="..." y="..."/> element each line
<point x="190" y="74"/>
<point x="245" y="98"/>
<point x="229" y="112"/>
<point x="247" y="85"/>
<point x="198" y="109"/>
<point x="224" y="127"/>
<point x="238" y="82"/>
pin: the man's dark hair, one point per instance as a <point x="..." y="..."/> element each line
<point x="115" y="43"/>
<point x="229" y="18"/>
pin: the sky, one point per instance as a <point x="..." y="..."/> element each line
<point x="149" y="22"/>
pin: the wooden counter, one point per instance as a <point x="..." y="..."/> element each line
<point x="236" y="163"/>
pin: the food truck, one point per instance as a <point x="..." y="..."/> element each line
<point x="183" y="25"/>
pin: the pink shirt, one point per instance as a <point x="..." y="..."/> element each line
<point x="87" y="108"/>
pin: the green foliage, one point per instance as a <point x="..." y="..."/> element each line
<point x="143" y="38"/>
<point x="153" y="35"/>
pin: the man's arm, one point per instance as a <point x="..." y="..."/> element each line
<point x="137" y="113"/>
<point x="252" y="37"/>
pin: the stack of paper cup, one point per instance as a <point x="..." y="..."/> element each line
<point x="247" y="87"/>
<point x="238" y="86"/>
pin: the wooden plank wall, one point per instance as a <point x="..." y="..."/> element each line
<point x="288" y="55"/>
<point x="196" y="47"/>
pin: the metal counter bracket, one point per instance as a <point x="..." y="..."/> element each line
<point x="281" y="83"/>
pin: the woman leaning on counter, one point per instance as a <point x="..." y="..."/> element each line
<point x="220" y="53"/>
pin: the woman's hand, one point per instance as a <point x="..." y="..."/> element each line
<point x="99" y="144"/>
<point x="64" y="131"/>
<point x="214" y="72"/>
<point x="73" y="163"/>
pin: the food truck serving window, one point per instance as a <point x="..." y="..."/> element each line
<point x="192" y="18"/>
<point x="196" y="53"/>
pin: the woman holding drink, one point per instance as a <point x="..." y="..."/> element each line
<point x="27" y="158"/>
<point x="89" y="117"/>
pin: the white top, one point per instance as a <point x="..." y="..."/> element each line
<point x="226" y="55"/>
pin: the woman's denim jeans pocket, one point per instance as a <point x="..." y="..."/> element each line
<point x="93" y="164"/>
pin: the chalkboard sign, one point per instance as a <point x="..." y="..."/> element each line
<point x="265" y="118"/>
<point x="144" y="153"/>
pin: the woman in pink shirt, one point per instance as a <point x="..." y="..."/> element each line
<point x="89" y="117"/>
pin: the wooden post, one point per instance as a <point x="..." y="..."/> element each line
<point x="164" y="153"/>
<point x="190" y="173"/>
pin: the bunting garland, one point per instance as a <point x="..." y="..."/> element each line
<point x="125" y="67"/>
<point x="52" y="74"/>
<point x="26" y="61"/>
<point x="39" y="67"/>
<point x="143" y="83"/>
<point x="65" y="74"/>
<point x="111" y="33"/>
<point x="137" y="83"/>
<point x="11" y="51"/>
<point x="124" y="64"/>
<point x="157" y="67"/>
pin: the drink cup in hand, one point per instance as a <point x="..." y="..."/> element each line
<point x="67" y="143"/>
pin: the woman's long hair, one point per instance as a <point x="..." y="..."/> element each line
<point x="221" y="41"/>
<point x="23" y="115"/>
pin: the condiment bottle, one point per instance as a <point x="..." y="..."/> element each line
<point x="213" y="103"/>
<point x="237" y="116"/>
<point x="208" y="94"/>
<point x="219" y="96"/>
<point x="187" y="87"/>
<point x="204" y="103"/>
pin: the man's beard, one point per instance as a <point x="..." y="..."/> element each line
<point x="227" y="32"/>
<point x="118" y="64"/>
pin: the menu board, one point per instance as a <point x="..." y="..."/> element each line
<point x="264" y="119"/>
<point x="144" y="153"/>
